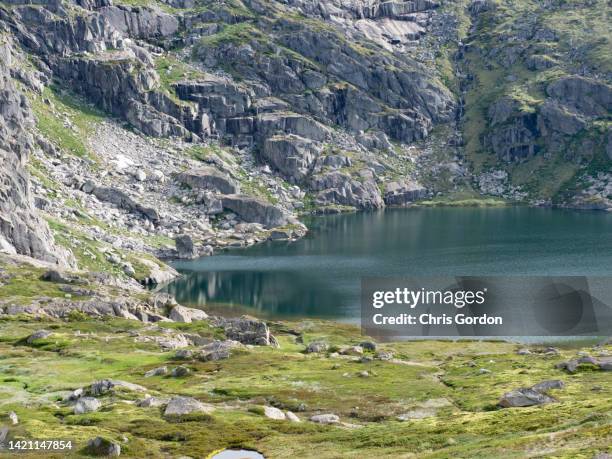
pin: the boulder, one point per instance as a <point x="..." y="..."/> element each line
<point x="556" y="117"/>
<point x="87" y="405"/>
<point x="247" y="330"/>
<point x="161" y="371"/>
<point x="274" y="413"/>
<point x="120" y="199"/>
<point x="178" y="406"/>
<point x="340" y="188"/>
<point x="255" y="210"/>
<point x="40" y="334"/>
<point x="219" y="350"/>
<point x="368" y="345"/>
<point x="100" y="446"/>
<point x="187" y="315"/>
<point x="180" y="372"/>
<point x="524" y="397"/>
<point x="184" y="247"/>
<point x="208" y="178"/>
<point x="401" y="193"/>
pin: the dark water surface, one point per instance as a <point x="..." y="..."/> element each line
<point x="319" y="276"/>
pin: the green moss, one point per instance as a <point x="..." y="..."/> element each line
<point x="470" y="426"/>
<point x="51" y="120"/>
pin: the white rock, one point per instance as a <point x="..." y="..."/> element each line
<point x="187" y="315"/>
<point x="184" y="405"/>
<point x="292" y="417"/>
<point x="274" y="413"/>
<point x="140" y="175"/>
<point x="87" y="405"/>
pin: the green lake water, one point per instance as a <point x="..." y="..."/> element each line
<point x="319" y="276"/>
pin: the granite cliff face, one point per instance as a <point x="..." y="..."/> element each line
<point x="22" y="230"/>
<point x="222" y="121"/>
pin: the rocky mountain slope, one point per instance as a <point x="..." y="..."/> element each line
<point x="223" y="121"/>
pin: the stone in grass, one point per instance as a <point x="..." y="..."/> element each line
<point x="180" y="372"/>
<point x="161" y="371"/>
<point x="183" y="354"/>
<point x="273" y="413"/>
<point x="368" y="345"/>
<point x="13" y="418"/>
<point x="384" y="355"/>
<point x="524" y="397"/>
<point x="178" y="406"/>
<point x="40" y="334"/>
<point x="292" y="417"/>
<point x="152" y="402"/>
<point x="100" y="446"/>
<point x="325" y="419"/>
<point x="87" y="405"/>
<point x="218" y="350"/>
<point x="105" y="385"/>
<point x="186" y="315"/>
<point x="316" y="347"/>
<point x="545" y="386"/>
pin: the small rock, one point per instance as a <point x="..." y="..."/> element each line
<point x="13" y="418"/>
<point x="274" y="413"/>
<point x="183" y="354"/>
<point x="156" y="372"/>
<point x="40" y="334"/>
<point x="363" y="374"/>
<point x="384" y="355"/>
<point x="152" y="402"/>
<point x="523" y="351"/>
<point x="219" y="350"/>
<point x="325" y="419"/>
<point x="140" y="175"/>
<point x="484" y="371"/>
<point x="545" y="386"/>
<point x="178" y="406"/>
<point x="317" y="346"/>
<point x="105" y="385"/>
<point x="128" y="269"/>
<point x="187" y="315"/>
<point x="524" y="397"/>
<point x="100" y="446"/>
<point x="87" y="405"/>
<point x="292" y="417"/>
<point x="180" y="372"/>
<point x="368" y="345"/>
